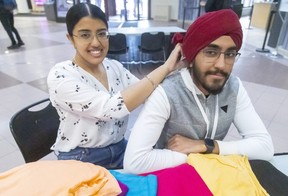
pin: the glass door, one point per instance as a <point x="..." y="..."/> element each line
<point x="99" y="3"/>
<point x="132" y="10"/>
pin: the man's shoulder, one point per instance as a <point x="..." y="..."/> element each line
<point x="172" y="78"/>
<point x="232" y="85"/>
<point x="172" y="82"/>
<point x="233" y="80"/>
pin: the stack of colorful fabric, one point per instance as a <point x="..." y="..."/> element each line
<point x="203" y="174"/>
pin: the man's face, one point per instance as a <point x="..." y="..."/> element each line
<point x="211" y="67"/>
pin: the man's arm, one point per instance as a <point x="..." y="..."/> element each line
<point x="140" y="155"/>
<point x="187" y="145"/>
<point x="256" y="142"/>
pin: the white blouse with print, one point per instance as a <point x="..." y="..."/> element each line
<point x="90" y="115"/>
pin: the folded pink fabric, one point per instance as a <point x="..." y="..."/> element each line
<point x="180" y="180"/>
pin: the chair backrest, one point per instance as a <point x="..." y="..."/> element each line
<point x="152" y="42"/>
<point x="34" y="129"/>
<point x="117" y="44"/>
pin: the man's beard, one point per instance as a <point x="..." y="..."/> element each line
<point x="215" y="88"/>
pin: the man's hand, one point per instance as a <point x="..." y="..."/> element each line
<point x="186" y="145"/>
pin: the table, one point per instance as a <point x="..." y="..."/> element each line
<point x="281" y="162"/>
<point x="273" y="175"/>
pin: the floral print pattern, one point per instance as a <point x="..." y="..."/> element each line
<point x="90" y="115"/>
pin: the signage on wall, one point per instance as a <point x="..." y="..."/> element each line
<point x="39" y="2"/>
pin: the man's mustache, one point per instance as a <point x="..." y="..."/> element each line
<point x="217" y="72"/>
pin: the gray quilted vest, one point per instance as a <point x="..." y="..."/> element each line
<point x="185" y="116"/>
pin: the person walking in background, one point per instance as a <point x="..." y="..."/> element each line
<point x="215" y="5"/>
<point x="138" y="7"/>
<point x="99" y="3"/>
<point x="7" y="20"/>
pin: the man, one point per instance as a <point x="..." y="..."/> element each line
<point x="193" y="109"/>
<point x="214" y="5"/>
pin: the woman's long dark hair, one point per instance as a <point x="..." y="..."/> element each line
<point x="81" y="10"/>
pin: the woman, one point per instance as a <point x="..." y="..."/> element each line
<point x="94" y="95"/>
<point x="7" y="20"/>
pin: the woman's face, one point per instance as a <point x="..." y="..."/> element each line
<point x="90" y="39"/>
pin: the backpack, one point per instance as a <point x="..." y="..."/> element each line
<point x="214" y="5"/>
<point x="227" y="4"/>
<point x="9" y="4"/>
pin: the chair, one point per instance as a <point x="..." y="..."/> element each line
<point x="34" y="129"/>
<point x="152" y="43"/>
<point x="118" y="46"/>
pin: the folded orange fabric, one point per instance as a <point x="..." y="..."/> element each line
<point x="227" y="175"/>
<point x="58" y="177"/>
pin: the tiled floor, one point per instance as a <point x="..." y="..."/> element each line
<point x="23" y="78"/>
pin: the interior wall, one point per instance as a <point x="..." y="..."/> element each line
<point x="155" y="4"/>
<point x="37" y="8"/>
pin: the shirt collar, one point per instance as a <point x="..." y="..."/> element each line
<point x="186" y="76"/>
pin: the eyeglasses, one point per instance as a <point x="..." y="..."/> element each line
<point x="87" y="36"/>
<point x="211" y="55"/>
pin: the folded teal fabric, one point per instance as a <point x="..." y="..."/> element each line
<point x="137" y="185"/>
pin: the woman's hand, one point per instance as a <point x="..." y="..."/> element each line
<point x="138" y="93"/>
<point x="175" y="60"/>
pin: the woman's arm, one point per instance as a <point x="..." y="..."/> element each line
<point x="69" y="92"/>
<point x="136" y="94"/>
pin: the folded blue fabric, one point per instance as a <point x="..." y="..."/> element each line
<point x="137" y="185"/>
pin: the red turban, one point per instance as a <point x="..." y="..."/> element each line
<point x="208" y="28"/>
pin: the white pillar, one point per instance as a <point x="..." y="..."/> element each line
<point x="22" y="6"/>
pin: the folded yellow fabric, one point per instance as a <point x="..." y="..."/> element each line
<point x="58" y="177"/>
<point x="227" y="175"/>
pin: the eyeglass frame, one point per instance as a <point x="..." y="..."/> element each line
<point x="226" y="57"/>
<point x="92" y="35"/>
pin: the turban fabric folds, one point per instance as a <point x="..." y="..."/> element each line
<point x="208" y="28"/>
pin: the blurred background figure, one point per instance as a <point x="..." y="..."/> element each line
<point x="214" y="5"/>
<point x="138" y="8"/>
<point x="99" y="3"/>
<point x="7" y="20"/>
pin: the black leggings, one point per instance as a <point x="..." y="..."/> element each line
<point x="7" y="20"/>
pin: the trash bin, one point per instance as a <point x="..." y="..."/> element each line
<point x="50" y="10"/>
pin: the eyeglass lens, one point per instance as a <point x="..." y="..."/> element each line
<point x="211" y="55"/>
<point x="89" y="36"/>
